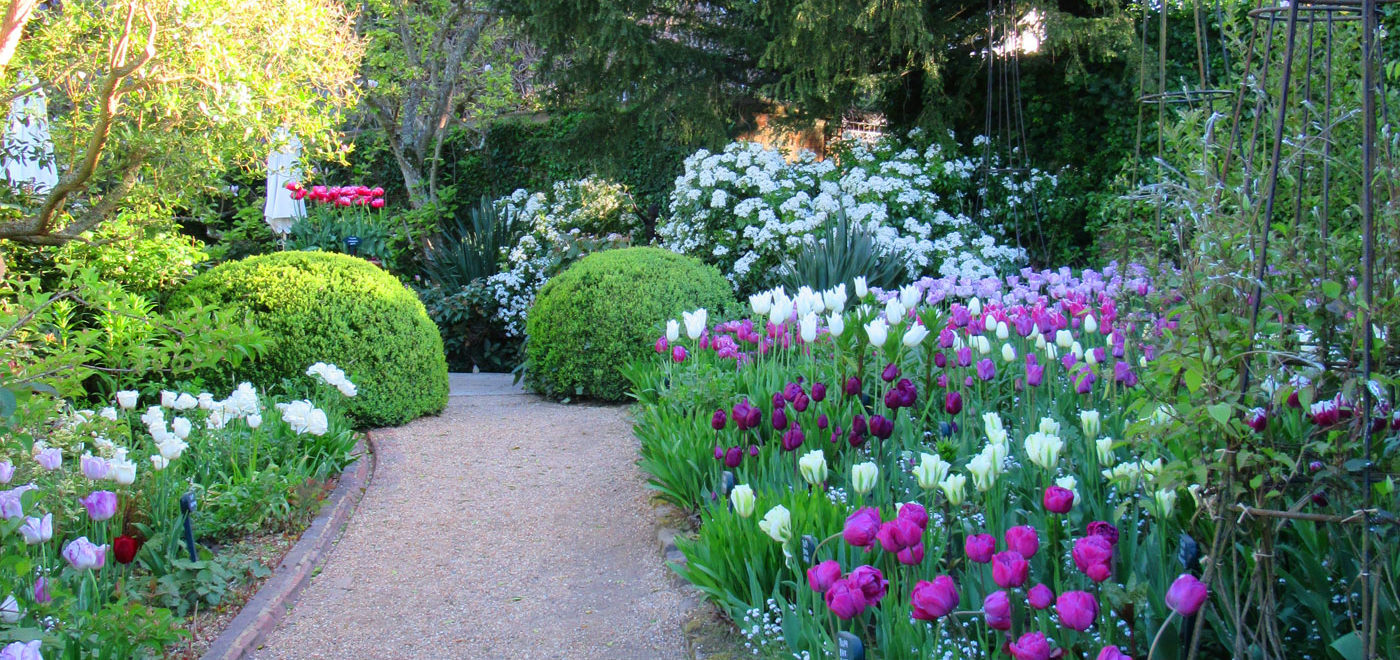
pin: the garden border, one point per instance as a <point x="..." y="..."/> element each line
<point x="261" y="614"/>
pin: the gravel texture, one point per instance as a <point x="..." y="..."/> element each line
<point x="507" y="527"/>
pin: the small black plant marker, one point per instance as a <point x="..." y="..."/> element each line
<point x="809" y="549"/>
<point x="187" y="506"/>
<point x="726" y="482"/>
<point x="352" y="244"/>
<point x="849" y="647"/>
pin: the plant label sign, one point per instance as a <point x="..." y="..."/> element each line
<point x="809" y="548"/>
<point x="849" y="647"/>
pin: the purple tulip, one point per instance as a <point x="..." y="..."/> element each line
<point x="952" y="403"/>
<point x="852" y="387"/>
<point x="753" y="450"/>
<point x="661" y="345"/>
<point x="801" y="403"/>
<point x="1084" y="381"/>
<point x="1077" y="609"/>
<point x="862" y="527"/>
<point x="856" y="438"/>
<point x="678" y="354"/>
<point x="915" y="513"/>
<point x="780" y="420"/>
<point x="945" y="338"/>
<point x="1040" y="597"/>
<point x="1031" y="646"/>
<point x="1112" y="653"/>
<point x="964" y="356"/>
<point x="41" y="591"/>
<point x="890" y="373"/>
<point x="912" y="555"/>
<point x="82" y="554"/>
<point x="1023" y="540"/>
<point x="1058" y="500"/>
<point x="49" y="458"/>
<point x="858" y="424"/>
<point x="940" y="360"/>
<point x="933" y="600"/>
<point x="997" y="608"/>
<point x="100" y="504"/>
<point x="1186" y="595"/>
<point x="845" y="599"/>
<point x="779" y="401"/>
<point x="741" y="415"/>
<point x="1123" y="374"/>
<point x="94" y="467"/>
<point x="979" y="547"/>
<point x="986" y="370"/>
<point x="880" y="427"/>
<point x="793" y="437"/>
<point x="733" y="457"/>
<point x="1068" y="361"/>
<point x="961" y="316"/>
<point x="718" y="420"/>
<point x="871" y="582"/>
<point x="821" y="576"/>
<point x="790" y="392"/>
<point x="719" y="453"/>
<point x="1010" y="569"/>
<point x="1035" y="375"/>
<point x="1104" y="529"/>
<point x="7" y="472"/>
<point x="818" y="392"/>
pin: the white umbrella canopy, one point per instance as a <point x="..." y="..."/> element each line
<point x="283" y="167"/>
<point x="28" y="149"/>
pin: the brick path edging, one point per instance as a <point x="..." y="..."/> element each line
<point x="261" y="614"/>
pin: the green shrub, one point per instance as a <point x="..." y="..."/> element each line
<point x="316" y="306"/>
<point x="605" y="311"/>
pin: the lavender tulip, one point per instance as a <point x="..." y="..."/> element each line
<point x="100" y="505"/>
<point x="82" y="554"/>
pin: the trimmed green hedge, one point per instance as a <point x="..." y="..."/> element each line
<point x="605" y="311"/>
<point x="318" y="306"/>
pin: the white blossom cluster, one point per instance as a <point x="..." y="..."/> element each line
<point x="333" y="376"/>
<point x="745" y="208"/>
<point x="572" y="219"/>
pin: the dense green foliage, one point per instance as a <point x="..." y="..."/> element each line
<point x="602" y="312"/>
<point x="335" y="308"/>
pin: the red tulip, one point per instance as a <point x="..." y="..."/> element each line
<point x="377" y="191"/>
<point x="124" y="549"/>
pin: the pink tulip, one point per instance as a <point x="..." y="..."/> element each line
<point x="1010" y="569"/>
<point x="997" y="608"/>
<point x="1040" y="597"/>
<point x="1186" y="595"/>
<point x="912" y="555"/>
<point x="1113" y="653"/>
<point x="678" y="354"/>
<point x="914" y="512"/>
<point x="1031" y="646"/>
<point x="871" y="582"/>
<point x="979" y="547"/>
<point x="845" y="599"/>
<point x="1024" y="540"/>
<point x="861" y="528"/>
<point x="932" y="600"/>
<point x="821" y="576"/>
<point x="1093" y="556"/>
<point x="1077" y="609"/>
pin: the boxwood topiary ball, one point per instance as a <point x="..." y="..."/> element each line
<point x="605" y="311"/>
<point x="323" y="307"/>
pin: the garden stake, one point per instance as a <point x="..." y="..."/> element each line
<point x="187" y="505"/>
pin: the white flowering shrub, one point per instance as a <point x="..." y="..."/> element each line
<point x="747" y="209"/>
<point x="572" y="219"/>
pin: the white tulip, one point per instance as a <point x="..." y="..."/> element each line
<point x="127" y="399"/>
<point x="167" y="398"/>
<point x="931" y="470"/>
<point x="863" y="477"/>
<point x="808" y="327"/>
<point x="835" y="298"/>
<point x="108" y="413"/>
<point x="172" y="449"/>
<point x="836" y="324"/>
<point x="186" y="402"/>
<point x="955" y="488"/>
<point x="975" y="307"/>
<point x="861" y="289"/>
<point x="1049" y="426"/>
<point x="10" y="611"/>
<point x="982" y="470"/>
<point x="910" y="296"/>
<point x="695" y="322"/>
<point x="159" y="462"/>
<point x="1077" y="350"/>
<point x="1044" y="449"/>
<point x="982" y="344"/>
<point x="254" y="420"/>
<point x="1039" y="341"/>
<point x="1008" y="354"/>
<point x="812" y="465"/>
<point x="761" y="303"/>
<point x="1063" y="338"/>
<point x="742" y="499"/>
<point x="205" y="401"/>
<point x="1091" y="358"/>
<point x="777" y="524"/>
<point x="989" y="323"/>
<point x="1166" y="503"/>
<point x="915" y="334"/>
<point x="673" y="331"/>
<point x="878" y="332"/>
<point x="1003" y="331"/>
<point x="996" y="431"/>
<point x="181" y="427"/>
<point x="1089" y="421"/>
<point x="1090" y="325"/>
<point x="782" y="308"/>
<point x="1104" y="446"/>
<point x="895" y="311"/>
<point x="121" y="471"/>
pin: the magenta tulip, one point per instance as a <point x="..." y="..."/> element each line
<point x="997" y="608"/>
<point x="1186" y="595"/>
<point x="979" y="547"/>
<point x="1010" y="569"/>
<point x="823" y="575"/>
<point x="871" y="582"/>
<point x="1058" y="500"/>
<point x="1093" y="555"/>
<point x="932" y="600"/>
<point x="912" y="555"/>
<point x="1104" y="529"/>
<point x="678" y="354"/>
<point x="1031" y="646"/>
<point x="1077" y="609"/>
<point x="1024" y="540"/>
<point x="1112" y="653"/>
<point x="845" y="599"/>
<point x="1040" y="597"/>
<point x="861" y="528"/>
<point x="914" y="512"/>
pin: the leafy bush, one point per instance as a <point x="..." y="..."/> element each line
<point x="603" y="311"/>
<point x="318" y="306"/>
<point x="144" y="258"/>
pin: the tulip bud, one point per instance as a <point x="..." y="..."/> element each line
<point x="863" y="477"/>
<point x="742" y="498"/>
<point x="954" y="487"/>
<point x="813" y="467"/>
<point x="930" y="471"/>
<point x="673" y="331"/>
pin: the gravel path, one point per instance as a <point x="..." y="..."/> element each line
<point x="507" y="527"/>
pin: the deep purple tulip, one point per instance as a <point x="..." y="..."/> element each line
<point x="890" y="373"/>
<point x="852" y="387"/>
<point x="1257" y="419"/>
<point x="1315" y="466"/>
<point x="1023" y="540"/>
<point x="733" y="457"/>
<point x="1010" y="569"/>
<point x="1040" y="597"/>
<point x="780" y="420"/>
<point x="940" y="360"/>
<point x="793" y="438"/>
<point x="871" y="582"/>
<point x="1031" y="646"/>
<point x="753" y="450"/>
<point x="818" y="392"/>
<point x="907" y="392"/>
<point x="862" y="527"/>
<point x="719" y="453"/>
<point x="1068" y="361"/>
<point x="791" y="390"/>
<point x="858" y="424"/>
<point x="945" y="338"/>
<point x="961" y="316"/>
<point x="1186" y="595"/>
<point x="821" y="576"/>
<point x="845" y="599"/>
<point x="932" y="600"/>
<point x="986" y="370"/>
<point x="1035" y="375"/>
<point x="823" y="422"/>
<point x="678" y="354"/>
<point x="779" y="401"/>
<point x="952" y="403"/>
<point x="856" y="438"/>
<point x="1084" y="381"/>
<point x="893" y="399"/>
<point x="1077" y="609"/>
<point x="1058" y="500"/>
<point x="1104" y="529"/>
<point x="741" y="414"/>
<point x="997" y="608"/>
<point x="979" y="547"/>
<point x="1124" y="375"/>
<point x="755" y="417"/>
<point x="718" y="420"/>
<point x="801" y="403"/>
<point x="880" y="427"/>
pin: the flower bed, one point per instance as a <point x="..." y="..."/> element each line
<point x="97" y="540"/>
<point x="960" y="468"/>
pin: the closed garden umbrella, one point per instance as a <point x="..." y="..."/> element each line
<point x="28" y="149"/>
<point x="283" y="167"/>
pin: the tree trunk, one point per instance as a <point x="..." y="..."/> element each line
<point x="16" y="17"/>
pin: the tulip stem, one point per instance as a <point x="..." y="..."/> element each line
<point x="1158" y="637"/>
<point x="823" y="542"/>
